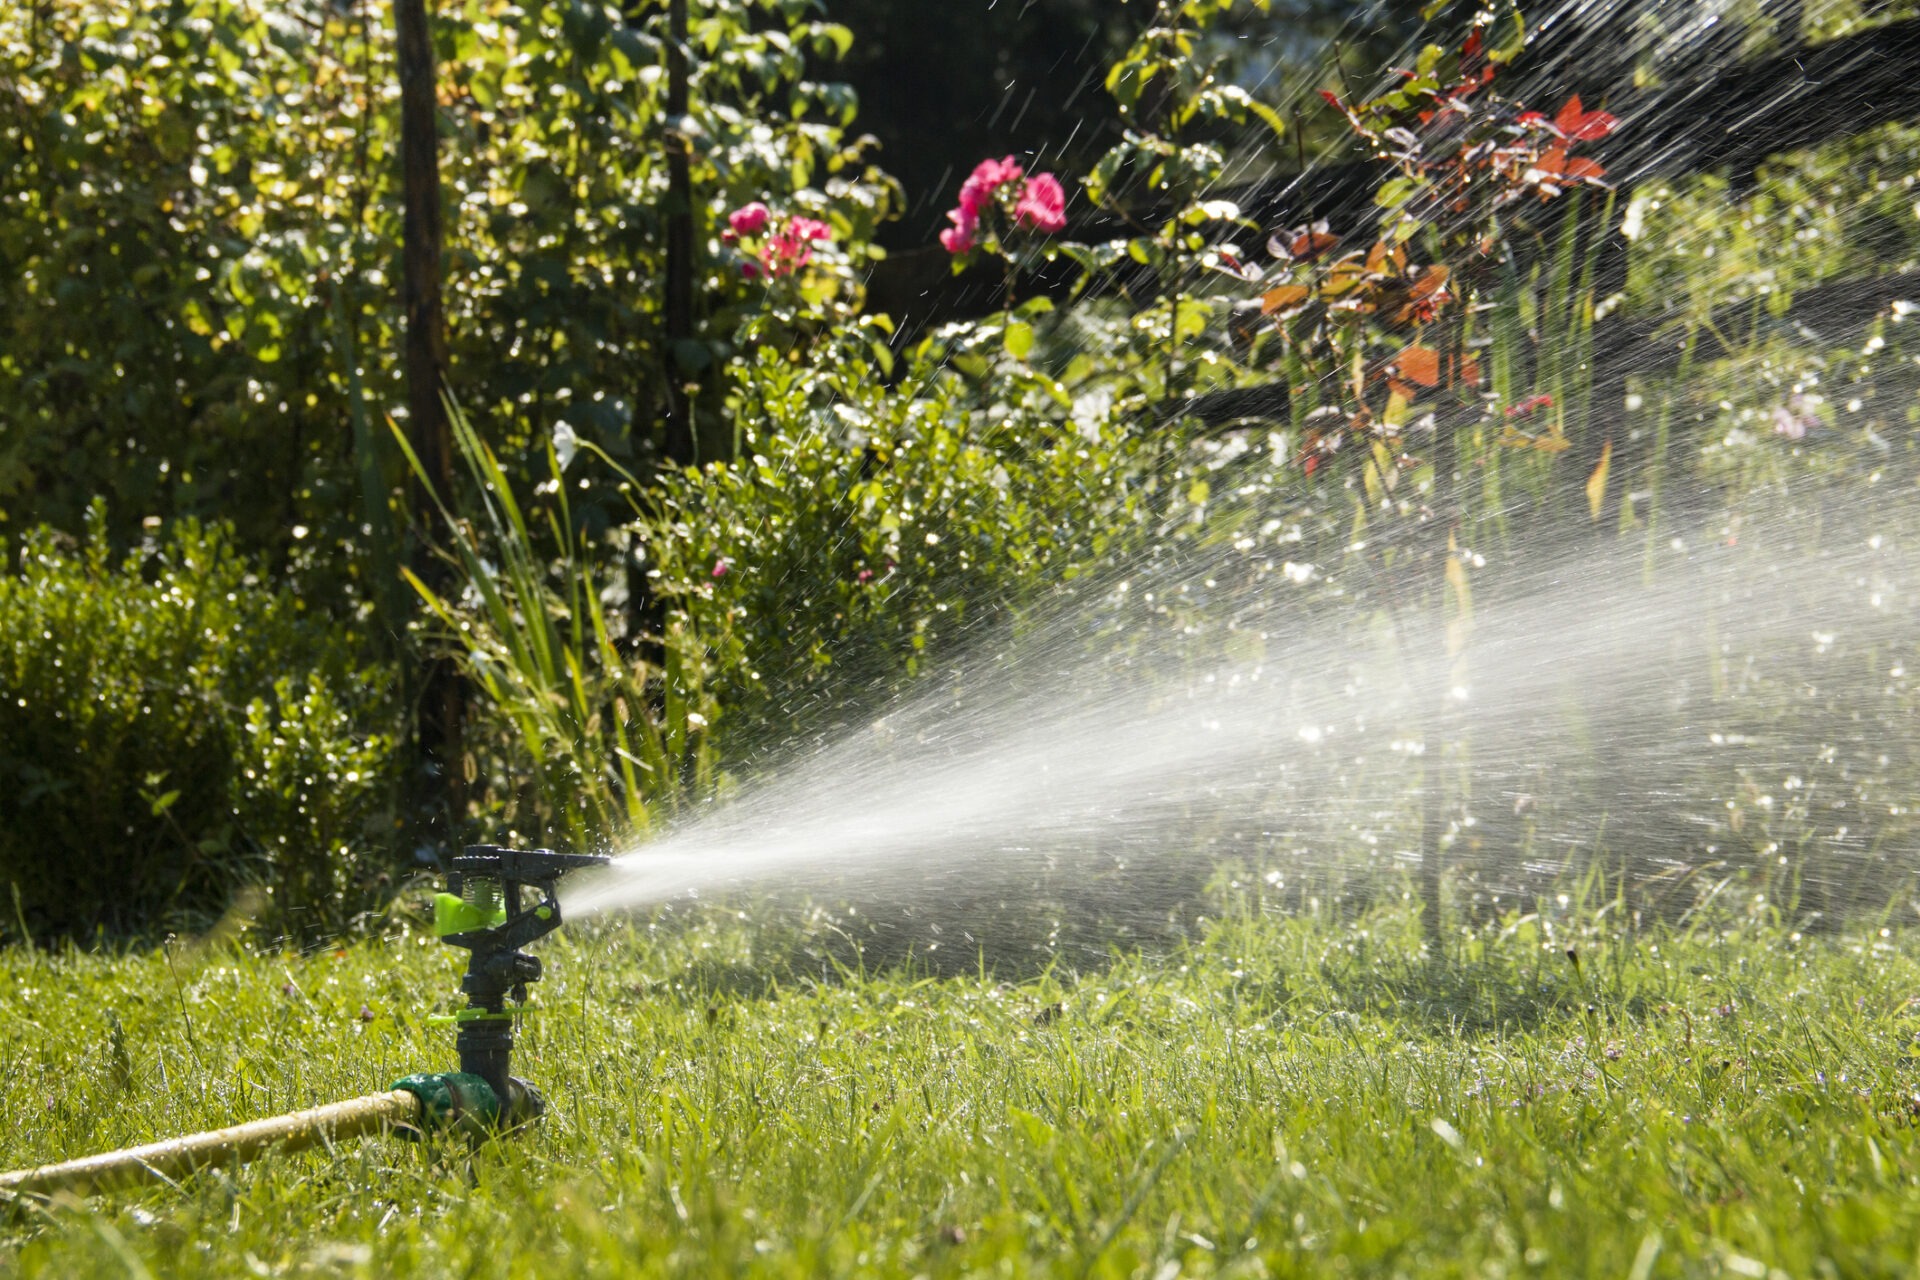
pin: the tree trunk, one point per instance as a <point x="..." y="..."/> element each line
<point x="440" y="692"/>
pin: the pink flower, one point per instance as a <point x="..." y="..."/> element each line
<point x="1043" y="205"/>
<point x="749" y="219"/>
<point x="809" y="229"/>
<point x="720" y="568"/>
<point x="1039" y="202"/>
<point x="788" y="249"/>
<point x="751" y="270"/>
<point x="959" y="238"/>
<point x="978" y="191"/>
<point x="1794" y="419"/>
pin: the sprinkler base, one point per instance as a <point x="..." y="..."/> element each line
<point x="466" y="1102"/>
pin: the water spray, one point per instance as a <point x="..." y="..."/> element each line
<point x="497" y="902"/>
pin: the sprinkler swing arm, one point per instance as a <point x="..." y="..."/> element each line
<point x="499" y="900"/>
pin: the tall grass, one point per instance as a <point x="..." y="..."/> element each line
<point x="593" y="738"/>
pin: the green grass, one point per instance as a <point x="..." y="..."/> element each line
<point x="1283" y="1096"/>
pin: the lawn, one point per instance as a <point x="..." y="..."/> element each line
<point x="1285" y="1094"/>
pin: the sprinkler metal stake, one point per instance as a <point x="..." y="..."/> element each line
<point x="489" y="914"/>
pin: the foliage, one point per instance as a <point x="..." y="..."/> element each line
<point x="1356" y="325"/>
<point x="193" y="185"/>
<point x="1160" y="178"/>
<point x="1289" y="1095"/>
<point x="576" y="753"/>
<point x="181" y="180"/>
<point x="863" y="530"/>
<point x="173" y="729"/>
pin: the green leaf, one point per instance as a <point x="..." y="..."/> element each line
<point x="833" y="33"/>
<point x="1392" y="195"/>
<point x="1507" y="38"/>
<point x="1268" y="116"/>
<point x="1018" y="339"/>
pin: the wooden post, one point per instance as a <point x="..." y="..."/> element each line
<point x="441" y="693"/>
<point x="682" y="441"/>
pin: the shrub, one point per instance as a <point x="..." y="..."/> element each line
<point x="863" y="530"/>
<point x="171" y="731"/>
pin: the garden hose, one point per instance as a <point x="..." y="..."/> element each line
<point x="175" y="1158"/>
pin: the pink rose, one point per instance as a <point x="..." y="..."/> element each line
<point x="978" y="191"/>
<point x="749" y="219"/>
<point x="787" y="250"/>
<point x="751" y="270"/>
<point x="958" y="238"/>
<point x="1043" y="205"/>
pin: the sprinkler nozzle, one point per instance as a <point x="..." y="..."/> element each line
<point x="485" y="911"/>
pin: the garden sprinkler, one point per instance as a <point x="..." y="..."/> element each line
<point x="483" y="912"/>
<point x="497" y="901"/>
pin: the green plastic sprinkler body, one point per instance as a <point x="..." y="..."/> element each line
<point x="499" y="900"/>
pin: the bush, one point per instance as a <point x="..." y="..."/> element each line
<point x="865" y="530"/>
<point x="173" y="731"/>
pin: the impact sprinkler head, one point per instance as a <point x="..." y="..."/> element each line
<point x="497" y="901"/>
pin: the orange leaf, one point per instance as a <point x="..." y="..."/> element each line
<point x="1429" y="282"/>
<point x="1421" y="365"/>
<point x="1284" y="297"/>
<point x="1597" y="482"/>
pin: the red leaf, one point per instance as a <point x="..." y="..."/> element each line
<point x="1595" y="126"/>
<point x="1304" y="244"/>
<point x="1576" y="124"/>
<point x="1570" y="116"/>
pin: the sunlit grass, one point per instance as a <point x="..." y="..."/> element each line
<point x="1281" y="1096"/>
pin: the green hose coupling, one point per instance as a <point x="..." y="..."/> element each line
<point x="452" y="1100"/>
